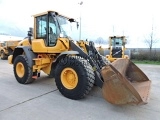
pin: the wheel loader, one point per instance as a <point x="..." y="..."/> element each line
<point x="75" y="66"/>
<point x="117" y="48"/>
<point x="2" y="54"/>
<point x="7" y="47"/>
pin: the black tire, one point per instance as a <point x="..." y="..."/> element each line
<point x="86" y="77"/>
<point x="3" y="55"/>
<point x="27" y="77"/>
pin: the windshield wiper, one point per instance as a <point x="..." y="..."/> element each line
<point x="116" y="52"/>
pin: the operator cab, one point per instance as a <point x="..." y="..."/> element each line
<point x="50" y="26"/>
<point x="116" y="42"/>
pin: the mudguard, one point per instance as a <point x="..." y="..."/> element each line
<point x="26" y="50"/>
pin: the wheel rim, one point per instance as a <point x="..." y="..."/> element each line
<point x="69" y="78"/>
<point x="20" y="70"/>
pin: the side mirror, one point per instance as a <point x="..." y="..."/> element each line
<point x="30" y="34"/>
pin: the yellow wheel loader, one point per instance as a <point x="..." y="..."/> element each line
<point x="7" y="47"/>
<point x="117" y="48"/>
<point x="3" y="55"/>
<point x="76" y="66"/>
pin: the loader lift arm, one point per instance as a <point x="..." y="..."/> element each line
<point x="94" y="58"/>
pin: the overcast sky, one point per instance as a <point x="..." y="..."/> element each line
<point x="100" y="18"/>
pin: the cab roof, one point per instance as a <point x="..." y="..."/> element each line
<point x="117" y="36"/>
<point x="43" y="13"/>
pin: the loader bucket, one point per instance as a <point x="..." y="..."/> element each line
<point x="125" y="83"/>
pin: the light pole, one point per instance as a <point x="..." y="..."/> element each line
<point x="80" y="20"/>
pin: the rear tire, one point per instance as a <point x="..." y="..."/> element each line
<point x="82" y="77"/>
<point x="23" y="73"/>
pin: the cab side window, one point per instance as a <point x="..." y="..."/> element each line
<point x="41" y="31"/>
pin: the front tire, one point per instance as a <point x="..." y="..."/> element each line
<point x="74" y="77"/>
<point x="23" y="73"/>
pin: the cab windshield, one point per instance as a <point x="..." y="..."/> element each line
<point x="116" y="42"/>
<point x="66" y="27"/>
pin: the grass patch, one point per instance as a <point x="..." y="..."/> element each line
<point x="146" y="62"/>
